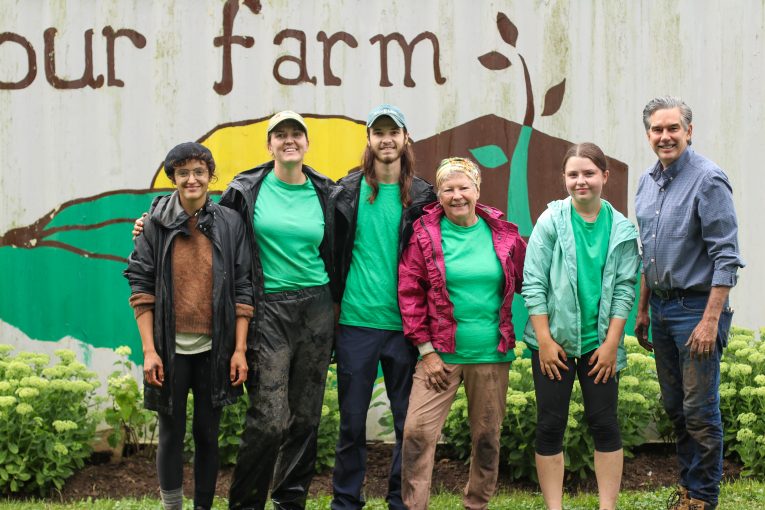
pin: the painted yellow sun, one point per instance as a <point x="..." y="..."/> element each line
<point x="336" y="145"/>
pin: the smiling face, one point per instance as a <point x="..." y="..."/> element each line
<point x="584" y="180"/>
<point x="386" y="140"/>
<point x="458" y="196"/>
<point x="191" y="179"/>
<point x="288" y="143"/>
<point x="667" y="135"/>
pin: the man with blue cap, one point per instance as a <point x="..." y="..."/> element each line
<point x="375" y="211"/>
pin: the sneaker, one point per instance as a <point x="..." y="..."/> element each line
<point x="679" y="499"/>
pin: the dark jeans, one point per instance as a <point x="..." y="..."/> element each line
<point x="553" y="397"/>
<point x="292" y="352"/>
<point x="358" y="351"/>
<point x="690" y="390"/>
<point x="190" y="372"/>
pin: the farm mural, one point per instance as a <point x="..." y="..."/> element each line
<point x="65" y="268"/>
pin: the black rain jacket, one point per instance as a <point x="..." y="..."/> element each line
<point x="149" y="271"/>
<point x="241" y="195"/>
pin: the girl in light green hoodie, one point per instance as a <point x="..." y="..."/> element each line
<point x="579" y="287"/>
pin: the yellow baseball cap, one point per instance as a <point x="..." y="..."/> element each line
<point x="286" y="115"/>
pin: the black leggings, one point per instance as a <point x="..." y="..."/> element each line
<point x="190" y="372"/>
<point x="553" y="397"/>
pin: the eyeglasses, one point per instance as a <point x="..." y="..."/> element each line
<point x="199" y="173"/>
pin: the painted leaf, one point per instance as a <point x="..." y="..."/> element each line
<point x="489" y="156"/>
<point x="254" y="5"/>
<point x="554" y="98"/>
<point x="507" y="29"/>
<point x="93" y="227"/>
<point x="494" y="61"/>
<point x="103" y="207"/>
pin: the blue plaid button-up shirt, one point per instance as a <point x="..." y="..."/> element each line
<point x="688" y="225"/>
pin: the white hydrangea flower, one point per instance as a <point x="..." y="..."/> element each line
<point x="123" y="350"/>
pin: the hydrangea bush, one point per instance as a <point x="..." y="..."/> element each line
<point x="742" y="398"/>
<point x="638" y="408"/>
<point x="641" y="415"/>
<point x="132" y="424"/>
<point x="48" y="419"/>
<point x="233" y="421"/>
<point x="518" y="426"/>
<point x="329" y="426"/>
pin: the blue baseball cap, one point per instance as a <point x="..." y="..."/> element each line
<point x="386" y="110"/>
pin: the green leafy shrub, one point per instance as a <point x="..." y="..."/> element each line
<point x="520" y="424"/>
<point x="47" y="419"/>
<point x="742" y="399"/>
<point x="233" y="421"/>
<point x="638" y="407"/>
<point x="329" y="426"/>
<point x="641" y="415"/>
<point x="518" y="427"/>
<point x="132" y="425"/>
<point x="386" y="418"/>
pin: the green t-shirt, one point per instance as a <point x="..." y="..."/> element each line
<point x="591" y="240"/>
<point x="371" y="295"/>
<point x="289" y="228"/>
<point x="475" y="282"/>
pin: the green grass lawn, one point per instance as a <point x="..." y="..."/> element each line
<point x="741" y="495"/>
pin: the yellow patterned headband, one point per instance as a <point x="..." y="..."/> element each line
<point x="464" y="166"/>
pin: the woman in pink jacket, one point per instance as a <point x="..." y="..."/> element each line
<point x="457" y="277"/>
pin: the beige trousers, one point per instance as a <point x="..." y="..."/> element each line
<point x="486" y="390"/>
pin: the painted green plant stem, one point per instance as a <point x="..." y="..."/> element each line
<point x="518" y="210"/>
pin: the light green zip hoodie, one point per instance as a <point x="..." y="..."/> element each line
<point x="549" y="278"/>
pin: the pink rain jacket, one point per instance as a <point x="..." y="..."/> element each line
<point x="427" y="312"/>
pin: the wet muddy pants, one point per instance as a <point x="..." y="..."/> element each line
<point x="292" y="352"/>
<point x="486" y="391"/>
<point x="690" y="391"/>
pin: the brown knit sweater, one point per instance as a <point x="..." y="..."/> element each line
<point x="192" y="281"/>
<point x="192" y="285"/>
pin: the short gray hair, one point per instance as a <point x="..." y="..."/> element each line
<point x="665" y="103"/>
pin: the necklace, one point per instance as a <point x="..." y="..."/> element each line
<point x="589" y="217"/>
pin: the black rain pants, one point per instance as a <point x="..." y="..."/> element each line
<point x="292" y="353"/>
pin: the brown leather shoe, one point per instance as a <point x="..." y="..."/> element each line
<point x="697" y="504"/>
<point x="679" y="499"/>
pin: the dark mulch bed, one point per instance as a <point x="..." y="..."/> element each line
<point x="653" y="466"/>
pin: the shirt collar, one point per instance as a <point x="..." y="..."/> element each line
<point x="661" y="175"/>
